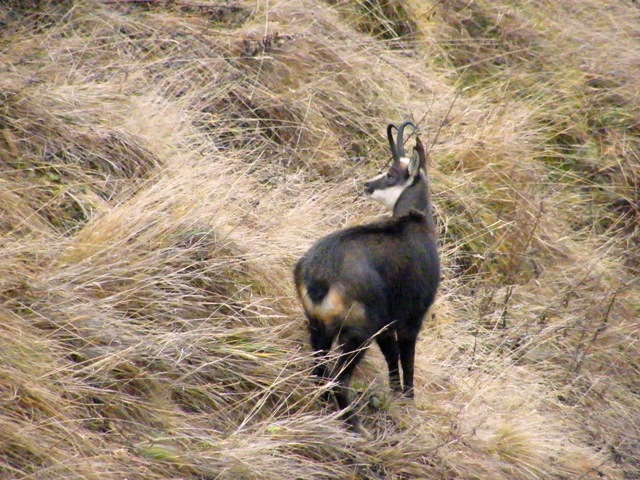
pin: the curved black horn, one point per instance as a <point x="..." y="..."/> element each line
<point x="392" y="143"/>
<point x="400" y="142"/>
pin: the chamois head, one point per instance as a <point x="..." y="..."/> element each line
<point x="405" y="174"/>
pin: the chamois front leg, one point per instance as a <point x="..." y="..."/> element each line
<point x="389" y="347"/>
<point x="407" y="338"/>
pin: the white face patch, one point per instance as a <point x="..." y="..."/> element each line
<point x="388" y="196"/>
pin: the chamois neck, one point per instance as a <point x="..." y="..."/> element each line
<point x="415" y="197"/>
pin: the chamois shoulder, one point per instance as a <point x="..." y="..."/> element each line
<point x="390" y="225"/>
<point x="387" y="227"/>
<point x="332" y="245"/>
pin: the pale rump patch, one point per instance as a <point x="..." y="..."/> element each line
<point x="333" y="308"/>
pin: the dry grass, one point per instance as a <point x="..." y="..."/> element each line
<point x="163" y="164"/>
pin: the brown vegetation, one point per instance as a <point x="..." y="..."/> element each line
<point x="164" y="163"/>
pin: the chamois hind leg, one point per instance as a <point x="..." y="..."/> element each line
<point x="389" y="347"/>
<point x="320" y="340"/>
<point x="407" y="338"/>
<point x="353" y="346"/>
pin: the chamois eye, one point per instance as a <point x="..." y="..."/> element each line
<point x="390" y="176"/>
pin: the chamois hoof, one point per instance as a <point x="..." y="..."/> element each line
<point x="408" y="396"/>
<point x="353" y="423"/>
<point x="360" y="430"/>
<point x="374" y="402"/>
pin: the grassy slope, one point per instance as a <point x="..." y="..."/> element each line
<point x="164" y="164"/>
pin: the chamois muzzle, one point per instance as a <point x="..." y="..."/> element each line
<point x="368" y="188"/>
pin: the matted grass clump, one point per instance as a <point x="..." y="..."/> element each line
<point x="165" y="163"/>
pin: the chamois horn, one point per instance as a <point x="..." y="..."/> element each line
<point x="392" y="143"/>
<point x="400" y="142"/>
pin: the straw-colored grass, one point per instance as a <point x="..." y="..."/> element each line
<point x="163" y="165"/>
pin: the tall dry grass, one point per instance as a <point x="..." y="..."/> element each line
<point x="165" y="163"/>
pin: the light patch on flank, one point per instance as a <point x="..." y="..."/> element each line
<point x="332" y="308"/>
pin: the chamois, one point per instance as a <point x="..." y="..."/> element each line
<point x="375" y="280"/>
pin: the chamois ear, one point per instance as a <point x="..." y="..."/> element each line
<point x="418" y="158"/>
<point x="415" y="163"/>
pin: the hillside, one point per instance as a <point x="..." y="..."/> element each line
<point x="164" y="164"/>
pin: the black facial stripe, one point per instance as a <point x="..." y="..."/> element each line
<point x="399" y="173"/>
